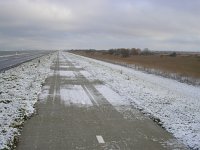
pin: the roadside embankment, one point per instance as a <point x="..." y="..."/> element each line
<point x="19" y="88"/>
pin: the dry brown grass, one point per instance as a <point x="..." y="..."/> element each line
<point x="183" y="65"/>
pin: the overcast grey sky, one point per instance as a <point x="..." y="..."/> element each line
<point x="100" y="24"/>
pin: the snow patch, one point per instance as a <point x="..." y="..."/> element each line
<point x="78" y="67"/>
<point x="64" y="67"/>
<point x="110" y="95"/>
<point x="74" y="95"/>
<point x="68" y="74"/>
<point x="86" y="74"/>
<point x="44" y="93"/>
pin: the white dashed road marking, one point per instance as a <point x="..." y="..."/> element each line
<point x="100" y="139"/>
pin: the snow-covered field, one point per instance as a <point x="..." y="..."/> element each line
<point x="19" y="88"/>
<point x="176" y="105"/>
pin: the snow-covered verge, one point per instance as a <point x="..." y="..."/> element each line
<point x="176" y="76"/>
<point x="175" y="105"/>
<point x="19" y="89"/>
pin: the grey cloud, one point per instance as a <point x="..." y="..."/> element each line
<point x="49" y="24"/>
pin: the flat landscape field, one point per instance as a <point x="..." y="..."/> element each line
<point x="183" y="65"/>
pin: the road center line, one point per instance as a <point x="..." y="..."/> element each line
<point x="100" y="139"/>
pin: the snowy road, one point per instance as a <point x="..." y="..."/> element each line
<point x="76" y="111"/>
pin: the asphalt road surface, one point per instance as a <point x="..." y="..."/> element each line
<point x="85" y="120"/>
<point x="12" y="59"/>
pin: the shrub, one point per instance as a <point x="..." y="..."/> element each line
<point x="111" y="51"/>
<point x="125" y="52"/>
<point x="146" y="51"/>
<point x="173" y="54"/>
<point x="135" y="51"/>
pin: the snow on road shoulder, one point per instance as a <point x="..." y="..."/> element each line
<point x="19" y="89"/>
<point x="44" y="93"/>
<point x="111" y="96"/>
<point x="175" y="104"/>
<point x="85" y="74"/>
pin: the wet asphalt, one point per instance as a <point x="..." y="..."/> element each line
<point x="99" y="126"/>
